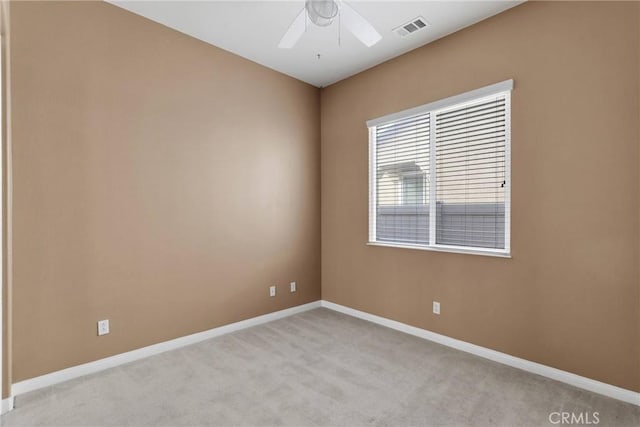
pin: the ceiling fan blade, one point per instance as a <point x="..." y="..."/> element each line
<point x="359" y="27"/>
<point x="295" y="31"/>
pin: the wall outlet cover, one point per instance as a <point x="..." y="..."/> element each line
<point x="436" y="307"/>
<point x="103" y="327"/>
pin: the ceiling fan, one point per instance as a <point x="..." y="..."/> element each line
<point x="322" y="13"/>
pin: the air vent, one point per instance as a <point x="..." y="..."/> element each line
<point x="411" y="26"/>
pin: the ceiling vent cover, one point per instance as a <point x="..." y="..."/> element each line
<point x="411" y="26"/>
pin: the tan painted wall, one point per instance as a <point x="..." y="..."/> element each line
<point x="159" y="182"/>
<point x="638" y="49"/>
<point x="569" y="297"/>
<point x="6" y="294"/>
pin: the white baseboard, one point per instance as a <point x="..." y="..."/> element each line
<point x="130" y="356"/>
<point x="7" y="405"/>
<point x="516" y="362"/>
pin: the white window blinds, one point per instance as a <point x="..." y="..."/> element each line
<point x="471" y="174"/>
<point x="454" y="152"/>
<point x="402" y="197"/>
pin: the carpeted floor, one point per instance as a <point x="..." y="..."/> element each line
<point x="315" y="368"/>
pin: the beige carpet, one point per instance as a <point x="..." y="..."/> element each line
<point x="318" y="368"/>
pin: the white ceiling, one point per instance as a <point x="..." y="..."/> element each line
<point x="252" y="29"/>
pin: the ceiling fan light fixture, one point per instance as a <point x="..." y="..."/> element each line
<point x="321" y="12"/>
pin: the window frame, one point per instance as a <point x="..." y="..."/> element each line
<point x="501" y="88"/>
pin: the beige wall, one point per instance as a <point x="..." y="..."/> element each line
<point x="6" y="294"/>
<point x="159" y="182"/>
<point x="570" y="296"/>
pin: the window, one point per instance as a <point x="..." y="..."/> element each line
<point x="454" y="153"/>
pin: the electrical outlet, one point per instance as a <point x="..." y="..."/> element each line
<point x="292" y="286"/>
<point x="103" y="327"/>
<point x="272" y="291"/>
<point x="436" y="307"/>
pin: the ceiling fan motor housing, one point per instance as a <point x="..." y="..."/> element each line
<point x="321" y="12"/>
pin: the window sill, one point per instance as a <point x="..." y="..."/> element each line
<point x="449" y="249"/>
